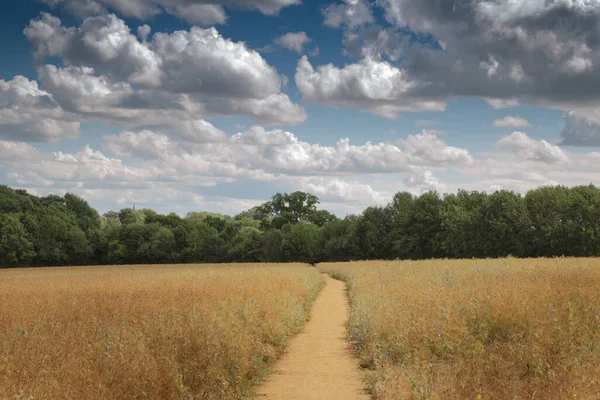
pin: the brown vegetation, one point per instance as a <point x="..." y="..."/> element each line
<point x="158" y="332"/>
<point x="477" y="329"/>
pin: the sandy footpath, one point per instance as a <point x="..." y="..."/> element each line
<point x="318" y="363"/>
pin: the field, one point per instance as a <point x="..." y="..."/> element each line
<point x="156" y="332"/>
<point x="476" y="329"/>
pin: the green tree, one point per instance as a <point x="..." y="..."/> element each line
<point x="15" y="247"/>
<point x="159" y="246"/>
<point x="284" y="209"/>
<point x="337" y="240"/>
<point x="504" y="226"/>
<point x="246" y="245"/>
<point x="271" y="249"/>
<point x="87" y="218"/>
<point x="302" y="243"/>
<point x="422" y="235"/>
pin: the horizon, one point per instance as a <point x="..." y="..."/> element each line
<point x="189" y="107"/>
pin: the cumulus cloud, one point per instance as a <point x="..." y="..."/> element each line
<point x="371" y="85"/>
<point x="102" y="42"/>
<point x="146" y="161"/>
<point x="149" y="167"/>
<point x="28" y="113"/>
<point x="531" y="149"/>
<point x="512" y="122"/>
<point x="507" y="52"/>
<point x="268" y="153"/>
<point x="582" y="128"/>
<point x="424" y="182"/>
<point x="342" y="190"/>
<point x="375" y="42"/>
<point x="203" y="14"/>
<point x="502" y="103"/>
<point x="351" y="13"/>
<point x="530" y="50"/>
<point x="168" y="81"/>
<point x="16" y="151"/>
<point x="294" y="41"/>
<point x="206" y="12"/>
<point x="201" y="61"/>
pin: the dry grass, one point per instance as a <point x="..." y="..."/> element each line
<point x="488" y="329"/>
<point x="147" y="332"/>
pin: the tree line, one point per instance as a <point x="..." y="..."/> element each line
<point x="66" y="230"/>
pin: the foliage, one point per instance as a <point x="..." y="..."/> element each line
<point x="549" y="221"/>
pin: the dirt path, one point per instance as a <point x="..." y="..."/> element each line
<point x="318" y="363"/>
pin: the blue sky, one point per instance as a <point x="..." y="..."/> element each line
<point x="218" y="104"/>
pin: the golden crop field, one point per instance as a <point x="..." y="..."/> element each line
<point x="477" y="329"/>
<point x="147" y="332"/>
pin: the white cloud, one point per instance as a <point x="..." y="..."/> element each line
<point x="341" y="190"/>
<point x="552" y="59"/>
<point x="203" y="14"/>
<point x="424" y="182"/>
<point x="531" y="149"/>
<point x="146" y="162"/>
<point x="435" y="132"/>
<point x="79" y="87"/>
<point x="103" y="42"/>
<point x="294" y="41"/>
<point x="206" y="12"/>
<point x="151" y="168"/>
<point x="502" y="103"/>
<point x="370" y="85"/>
<point x="167" y="81"/>
<point x="16" y="151"/>
<point x="512" y="122"/>
<point x="503" y="12"/>
<point x="201" y="61"/>
<point x="28" y="113"/>
<point x="352" y="13"/>
<point x="143" y="32"/>
<point x="269" y="153"/>
<point x="582" y="127"/>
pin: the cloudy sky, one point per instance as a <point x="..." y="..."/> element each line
<point x="216" y="105"/>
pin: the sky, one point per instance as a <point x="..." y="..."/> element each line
<point x="216" y="105"/>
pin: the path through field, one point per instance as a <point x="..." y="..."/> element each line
<point x="319" y="363"/>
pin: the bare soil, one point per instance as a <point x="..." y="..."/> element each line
<point x="319" y="363"/>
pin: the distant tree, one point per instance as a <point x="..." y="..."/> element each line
<point x="372" y="234"/>
<point x="504" y="226"/>
<point x="246" y="245"/>
<point x="548" y="221"/>
<point x="422" y="235"/>
<point x="337" y="240"/>
<point x="9" y="201"/>
<point x="87" y="218"/>
<point x="112" y="215"/>
<point x="287" y="209"/>
<point x="271" y="246"/>
<point x="302" y="243"/>
<point x="321" y="218"/>
<point x="565" y="221"/>
<point x="159" y="246"/>
<point x="253" y="213"/>
<point x="399" y="210"/>
<point x="462" y="231"/>
<point x="15" y="247"/>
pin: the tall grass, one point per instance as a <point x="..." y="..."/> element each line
<point x="487" y="329"/>
<point x="147" y="332"/>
